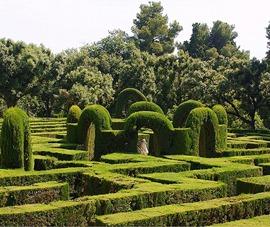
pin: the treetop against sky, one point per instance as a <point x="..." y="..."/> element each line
<point x="66" y="24"/>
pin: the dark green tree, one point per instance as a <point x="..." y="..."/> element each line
<point x="151" y="30"/>
<point x="22" y="69"/>
<point x="246" y="91"/>
<point x="221" y="34"/>
<point x="198" y="43"/>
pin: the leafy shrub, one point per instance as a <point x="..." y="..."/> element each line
<point x="144" y="106"/>
<point x="96" y="114"/>
<point x="16" y="151"/>
<point x="125" y="97"/>
<point x="221" y="114"/>
<point x="74" y="114"/>
<point x="183" y="111"/>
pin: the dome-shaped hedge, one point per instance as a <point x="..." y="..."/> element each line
<point x="15" y="140"/>
<point x="96" y="114"/>
<point x="206" y="142"/>
<point x="144" y="106"/>
<point x="74" y="114"/>
<point x="182" y="112"/>
<point x="221" y="114"/>
<point x="125" y="97"/>
<point x="158" y="122"/>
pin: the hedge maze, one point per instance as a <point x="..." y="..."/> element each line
<point x="85" y="170"/>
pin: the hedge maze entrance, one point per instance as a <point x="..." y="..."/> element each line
<point x="207" y="139"/>
<point x="87" y="170"/>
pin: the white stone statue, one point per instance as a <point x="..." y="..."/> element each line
<point x="142" y="147"/>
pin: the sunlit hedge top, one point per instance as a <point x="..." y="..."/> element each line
<point x="125" y="97"/>
<point x="96" y="114"/>
<point x="221" y="114"/>
<point x="156" y="121"/>
<point x="144" y="106"/>
<point x="74" y="114"/>
<point x="183" y="111"/>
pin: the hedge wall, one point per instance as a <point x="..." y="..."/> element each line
<point x="16" y="151"/>
<point x="204" y="143"/>
<point x="125" y="98"/>
<point x="182" y="112"/>
<point x="203" y="213"/>
<point x="159" y="123"/>
<point x="144" y="106"/>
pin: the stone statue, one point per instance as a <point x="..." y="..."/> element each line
<point x="142" y="147"/>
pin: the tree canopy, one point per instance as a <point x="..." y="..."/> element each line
<point x="151" y="30"/>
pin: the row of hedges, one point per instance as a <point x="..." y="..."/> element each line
<point x="44" y="192"/>
<point x="194" y="214"/>
<point x="205" y="130"/>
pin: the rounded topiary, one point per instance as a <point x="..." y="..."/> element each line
<point x="74" y="114"/>
<point x="182" y="112"/>
<point x="15" y="140"/>
<point x="158" y="122"/>
<point x="96" y="114"/>
<point x="125" y="98"/>
<point x="204" y="131"/>
<point x="144" y="106"/>
<point x="221" y="114"/>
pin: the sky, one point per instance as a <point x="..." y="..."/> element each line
<point x="63" y="24"/>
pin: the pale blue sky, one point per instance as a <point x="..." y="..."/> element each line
<point x="62" y="24"/>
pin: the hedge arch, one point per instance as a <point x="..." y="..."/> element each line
<point x="74" y="114"/>
<point x="158" y="122"/>
<point x="95" y="114"/>
<point x="16" y="151"/>
<point x="182" y="112"/>
<point x="144" y="106"/>
<point x="204" y="131"/>
<point x="125" y="98"/>
<point x="221" y="114"/>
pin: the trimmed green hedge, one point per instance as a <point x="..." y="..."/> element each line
<point x="44" y="192"/>
<point x="74" y="114"/>
<point x="182" y="112"/>
<point x="125" y="98"/>
<point x="144" y="106"/>
<point x="16" y="151"/>
<point x="72" y="134"/>
<point x="253" y="184"/>
<point x="181" y="141"/>
<point x="193" y="214"/>
<point x="96" y="114"/>
<point x="221" y="114"/>
<point x="159" y="123"/>
<point x="206" y="142"/>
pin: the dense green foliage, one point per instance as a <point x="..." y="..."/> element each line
<point x="152" y="32"/>
<point x="221" y="114"/>
<point x="96" y="114"/>
<point x="182" y="112"/>
<point x="203" y="123"/>
<point x="209" y="67"/>
<point x="125" y="98"/>
<point x="74" y="114"/>
<point x="16" y="149"/>
<point x="144" y="106"/>
<point x="134" y="189"/>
